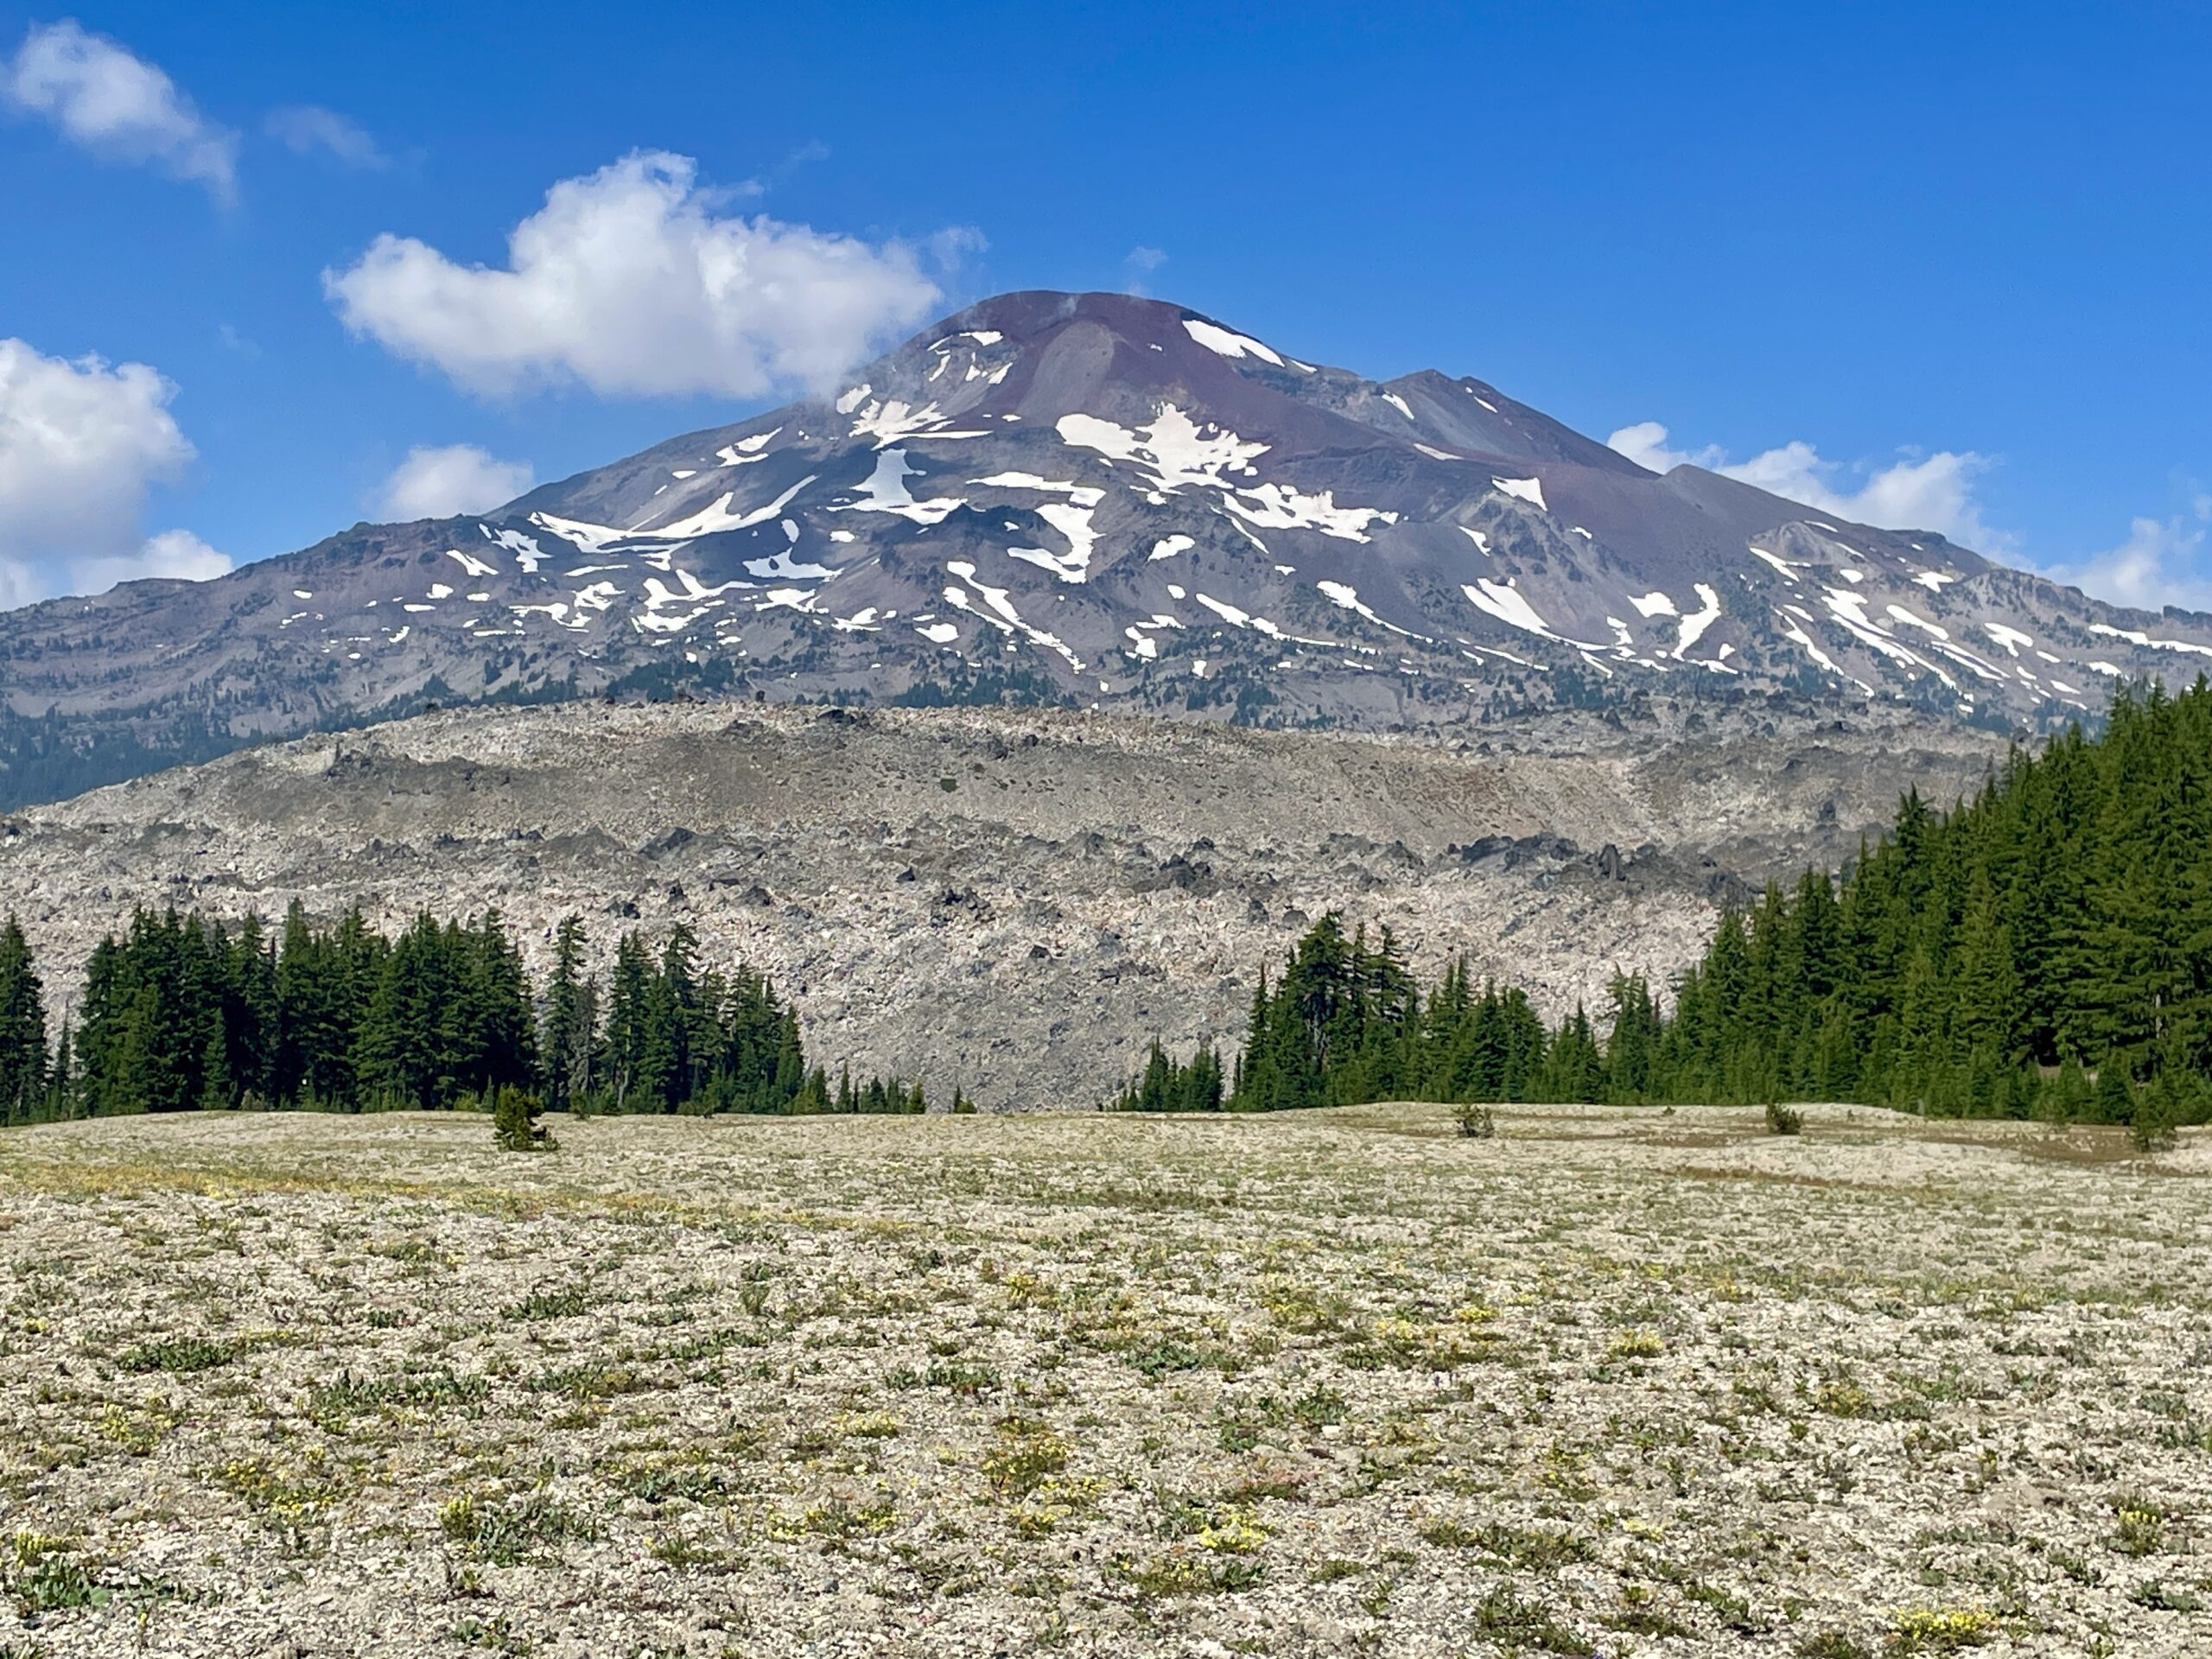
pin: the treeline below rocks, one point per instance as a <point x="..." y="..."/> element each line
<point x="2044" y="950"/>
<point x="183" y="1014"/>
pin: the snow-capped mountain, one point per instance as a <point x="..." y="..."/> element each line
<point x="1094" y="496"/>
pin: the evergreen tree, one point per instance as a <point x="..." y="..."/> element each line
<point x="61" y="1084"/>
<point x="515" y="1113"/>
<point x="2114" y="1101"/>
<point x="1167" y="1085"/>
<point x="22" y="1031"/>
<point x="570" y="1018"/>
<point x="1574" y="1070"/>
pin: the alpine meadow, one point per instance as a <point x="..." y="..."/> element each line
<point x="1134" y="833"/>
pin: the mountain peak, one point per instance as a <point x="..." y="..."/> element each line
<point x="1096" y="499"/>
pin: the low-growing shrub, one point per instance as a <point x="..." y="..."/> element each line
<point x="44" y="1574"/>
<point x="1476" y="1122"/>
<point x="1833" y="1644"/>
<point x="2151" y="1125"/>
<point x="515" y="1128"/>
<point x="181" y="1356"/>
<point x="2140" y="1526"/>
<point x="1941" y="1629"/>
<point x="1027" y="1453"/>
<point x="507" y="1532"/>
<point x="1515" y="1623"/>
<point x="1783" y="1119"/>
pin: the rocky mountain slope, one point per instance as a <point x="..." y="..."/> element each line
<point x="1093" y="501"/>
<point x="1014" y="900"/>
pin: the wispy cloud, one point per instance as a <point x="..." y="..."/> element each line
<point x="177" y="554"/>
<point x="1916" y="491"/>
<point x="116" y="106"/>
<point x="306" y="128"/>
<point x="1138" y="265"/>
<point x="2159" y="564"/>
<point x="441" y="481"/>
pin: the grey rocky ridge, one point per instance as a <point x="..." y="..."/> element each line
<point x="1013" y="902"/>
<point x="1095" y="500"/>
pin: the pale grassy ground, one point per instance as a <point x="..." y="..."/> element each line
<point x="1341" y="1382"/>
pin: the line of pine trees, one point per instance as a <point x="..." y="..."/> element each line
<point x="1344" y="1021"/>
<point x="2043" y="950"/>
<point x="182" y="1012"/>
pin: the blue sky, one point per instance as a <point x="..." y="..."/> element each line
<point x="1944" y="264"/>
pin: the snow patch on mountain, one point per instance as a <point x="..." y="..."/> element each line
<point x="783" y="568"/>
<point x="1912" y="618"/>
<point x="721" y="516"/>
<point x="1001" y="613"/>
<point x="1280" y="506"/>
<point x="746" y="451"/>
<point x="1788" y="570"/>
<point x="1694" y="623"/>
<point x="589" y="538"/>
<point x="886" y="491"/>
<point x="892" y="420"/>
<point x="528" y="554"/>
<point x="2136" y="637"/>
<point x="1074" y="523"/>
<point x="1229" y="343"/>
<point x="1083" y="495"/>
<point x="1504" y="601"/>
<point x="1179" y="453"/>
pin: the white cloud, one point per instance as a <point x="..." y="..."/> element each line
<point x="173" y="553"/>
<point x="303" y="127"/>
<point x="630" y="281"/>
<point x="442" y="482"/>
<point x="2156" y="566"/>
<point x="1138" y="265"/>
<point x="1645" y="443"/>
<point x="117" y="105"/>
<point x="80" y="445"/>
<point x="1918" y="492"/>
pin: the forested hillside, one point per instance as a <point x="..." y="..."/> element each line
<point x="1983" y="961"/>
<point x="2044" y="949"/>
<point x="181" y="1013"/>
